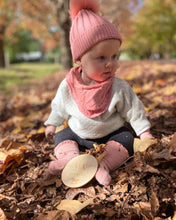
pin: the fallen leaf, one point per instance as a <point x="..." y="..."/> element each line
<point x="150" y="169"/>
<point x="142" y="145"/>
<point x="61" y="127"/>
<point x="73" y="206"/>
<point x="153" y="198"/>
<point x="2" y="215"/>
<point x="172" y="145"/>
<point x="145" y="205"/>
<point x="72" y="193"/>
<point x="54" y="215"/>
<point x="146" y="210"/>
<point x="10" y="152"/>
<point x="98" y="151"/>
<point x="154" y="203"/>
<point x="26" y="123"/>
<point x="164" y="154"/>
<point x="174" y="217"/>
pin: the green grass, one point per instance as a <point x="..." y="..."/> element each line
<point x="18" y="74"/>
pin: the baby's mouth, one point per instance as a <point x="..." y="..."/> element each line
<point x="107" y="72"/>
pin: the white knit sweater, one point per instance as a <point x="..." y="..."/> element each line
<point x="124" y="106"/>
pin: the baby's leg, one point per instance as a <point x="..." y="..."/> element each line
<point x="66" y="148"/>
<point x="118" y="148"/>
<point x="116" y="154"/>
<point x="64" y="152"/>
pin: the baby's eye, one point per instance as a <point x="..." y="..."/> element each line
<point x="101" y="57"/>
<point x="114" y="57"/>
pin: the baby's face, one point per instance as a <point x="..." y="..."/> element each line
<point x="100" y="62"/>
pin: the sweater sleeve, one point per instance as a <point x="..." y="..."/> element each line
<point x="58" y="114"/>
<point x="132" y="109"/>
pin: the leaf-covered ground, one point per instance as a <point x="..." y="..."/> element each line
<point x="143" y="188"/>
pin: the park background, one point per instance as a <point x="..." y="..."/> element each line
<point x="34" y="58"/>
<point x="39" y="30"/>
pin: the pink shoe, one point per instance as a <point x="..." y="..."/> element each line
<point x="55" y="168"/>
<point x="116" y="155"/>
<point x="102" y="175"/>
<point x="64" y="152"/>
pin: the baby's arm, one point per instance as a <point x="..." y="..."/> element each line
<point x="132" y="110"/>
<point x="58" y="114"/>
<point x="145" y="134"/>
<point x="49" y="131"/>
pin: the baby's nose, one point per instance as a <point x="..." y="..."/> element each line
<point x="108" y="64"/>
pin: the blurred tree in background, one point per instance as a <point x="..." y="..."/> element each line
<point x="120" y="13"/>
<point x="35" y="17"/>
<point x="23" y="40"/>
<point x="7" y="16"/>
<point x="154" y="29"/>
<point x="61" y="8"/>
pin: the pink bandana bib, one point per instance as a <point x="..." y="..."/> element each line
<point x="92" y="100"/>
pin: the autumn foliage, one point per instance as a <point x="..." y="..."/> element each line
<point x="143" y="188"/>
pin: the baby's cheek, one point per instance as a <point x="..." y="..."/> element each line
<point x="116" y="66"/>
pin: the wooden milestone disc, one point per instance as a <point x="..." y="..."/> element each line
<point x="79" y="171"/>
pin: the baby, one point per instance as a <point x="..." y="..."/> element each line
<point x="94" y="101"/>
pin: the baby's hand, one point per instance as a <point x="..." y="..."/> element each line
<point x="145" y="134"/>
<point x="49" y="131"/>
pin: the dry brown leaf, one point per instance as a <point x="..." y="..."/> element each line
<point x="7" y="199"/>
<point x="41" y="130"/>
<point x="172" y="145"/>
<point x="72" y="193"/>
<point x="73" y="206"/>
<point x="150" y="169"/>
<point x="146" y="210"/>
<point x="122" y="188"/>
<point x="164" y="154"/>
<point x="158" y="218"/>
<point x="154" y="203"/>
<point x="10" y="152"/>
<point x="2" y="215"/>
<point x="174" y="217"/>
<point x="26" y="123"/>
<point x="145" y="205"/>
<point x="54" y="215"/>
<point x="99" y="151"/>
<point x="63" y="126"/>
<point x="142" y="145"/>
<point x="146" y="214"/>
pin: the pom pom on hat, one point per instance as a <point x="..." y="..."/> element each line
<point x="88" y="28"/>
<point x="78" y="5"/>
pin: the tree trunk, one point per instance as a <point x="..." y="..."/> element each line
<point x="66" y="57"/>
<point x="2" y="58"/>
<point x="63" y="18"/>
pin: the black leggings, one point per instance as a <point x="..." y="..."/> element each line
<point x="122" y="135"/>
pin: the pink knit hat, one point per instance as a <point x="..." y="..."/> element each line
<point x="88" y="28"/>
